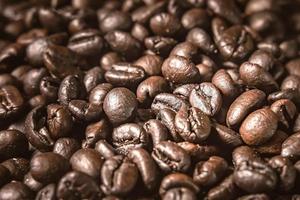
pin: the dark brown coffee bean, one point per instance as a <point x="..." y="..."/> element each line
<point x="118" y="175"/>
<point x="210" y="172"/>
<point x="167" y="117"/>
<point x="243" y="105"/>
<point x="66" y="147"/>
<point x="255" y="176"/>
<point x="201" y="39"/>
<point x="4" y="175"/>
<point x="171" y="157"/>
<point x="150" y="63"/>
<point x="109" y="59"/>
<point x="16" y="190"/>
<point x="13" y="143"/>
<point x="207" y="98"/>
<point x="105" y="149"/>
<point x="129" y="136"/>
<point x="167" y="101"/>
<point x="290" y="147"/>
<point x="120" y="105"/>
<point x="244" y="153"/>
<point x="47" y="193"/>
<point x="139" y="31"/>
<point x="165" y="24"/>
<point x="160" y="45"/>
<point x="192" y="124"/>
<point x="146" y="167"/>
<point x="226" y="189"/>
<point x="97" y="131"/>
<point x="17" y="167"/>
<point x="151" y="87"/>
<point x="31" y="183"/>
<point x="259" y="126"/>
<point x="87" y="161"/>
<point x="11" y="56"/>
<point x="48" y="167"/>
<point x="77" y="185"/>
<point x="199" y="152"/>
<point x="179" y="193"/>
<point x="51" y="20"/>
<point x="195" y="17"/>
<point x="93" y="77"/>
<point x="254" y="196"/>
<point x="157" y="130"/>
<point x="125" y="75"/>
<point x="144" y="13"/>
<point x="49" y="88"/>
<point x="177" y="180"/>
<point x="84" y="111"/>
<point x="115" y="20"/>
<point x="228" y="136"/>
<point x="293" y="67"/>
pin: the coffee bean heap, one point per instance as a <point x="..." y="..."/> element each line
<point x="149" y="99"/>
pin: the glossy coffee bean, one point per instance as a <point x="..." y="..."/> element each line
<point x="48" y="167"/>
<point x="210" y="172"/>
<point x="139" y="31"/>
<point x="118" y="175"/>
<point x="171" y="157"/>
<point x="125" y="75"/>
<point x="115" y="20"/>
<point x="187" y="50"/>
<point x="207" y="98"/>
<point x="192" y="124"/>
<point x="226" y="189"/>
<point x="47" y="193"/>
<point x="17" y="167"/>
<point x="160" y="45"/>
<point x="228" y="136"/>
<point x="97" y="131"/>
<point x="129" y="136"/>
<point x="110" y="58"/>
<point x="243" y="105"/>
<point x="150" y="63"/>
<point x="49" y="88"/>
<point x="259" y="126"/>
<point x="195" y="17"/>
<point x="290" y="147"/>
<point x="146" y="166"/>
<point x="199" y="152"/>
<point x="87" y="161"/>
<point x="164" y="24"/>
<point x="157" y="131"/>
<point x="15" y="190"/>
<point x="255" y="176"/>
<point x="201" y="39"/>
<point x="167" y="101"/>
<point x="117" y="101"/>
<point x="66" y="147"/>
<point x="151" y="87"/>
<point x="227" y="9"/>
<point x="4" y="175"/>
<point x="93" y="77"/>
<point x="85" y="111"/>
<point x="77" y="185"/>
<point x="105" y="149"/>
<point x="31" y="183"/>
<point x="32" y="81"/>
<point x="179" y="193"/>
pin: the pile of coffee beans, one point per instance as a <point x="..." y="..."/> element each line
<point x="149" y="99"/>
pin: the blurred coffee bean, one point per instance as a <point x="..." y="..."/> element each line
<point x="16" y="190"/>
<point x="150" y="63"/>
<point x="290" y="147"/>
<point x="164" y="24"/>
<point x="66" y="147"/>
<point x="17" y="167"/>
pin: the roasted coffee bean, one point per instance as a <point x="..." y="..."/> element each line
<point x="195" y="17"/>
<point x="12" y="102"/>
<point x="176" y="180"/>
<point x="125" y="75"/>
<point x="254" y="196"/>
<point x="286" y="171"/>
<point x="187" y="50"/>
<point x="210" y="172"/>
<point x="157" y="130"/>
<point x="290" y="82"/>
<point x="244" y="153"/>
<point x="97" y="131"/>
<point x="227" y="9"/>
<point x="144" y="13"/>
<point x="167" y="117"/>
<point x="256" y="76"/>
<point x="48" y="167"/>
<point x="93" y="77"/>
<point x="150" y="63"/>
<point x="139" y="31"/>
<point x="149" y="88"/>
<point x="32" y="81"/>
<point x="179" y="70"/>
<point x="36" y="129"/>
<point x="86" y="43"/>
<point x="207" y="98"/>
<point x="87" y="161"/>
<point x="167" y="101"/>
<point x="192" y="124"/>
<point x="262" y="58"/>
<point x="293" y="67"/>
<point x="13" y="143"/>
<point x="123" y="43"/>
<point x="66" y="147"/>
<point x="199" y="152"/>
<point x="243" y="105"/>
<point x="8" y="79"/>
<point x="259" y="126"/>
<point x="146" y="166"/>
<point x="51" y="20"/>
<point x="31" y="183"/>
<point x="70" y="88"/>
<point x="160" y="45"/>
<point x="17" y="167"/>
<point x="115" y="20"/>
<point x="129" y="136"/>
<point x="118" y="175"/>
<point x="109" y="59"/>
<point x="226" y="189"/>
<point x="171" y="157"/>
<point x="61" y="62"/>
<point x="84" y="111"/>
<point x="49" y="88"/>
<point x="290" y="147"/>
<point x="120" y="105"/>
<point x="201" y="39"/>
<point x="179" y="193"/>
<point x="228" y="136"/>
<point x="4" y="175"/>
<point x="255" y="176"/>
<point x="290" y="94"/>
<point x="105" y="149"/>
<point x="77" y="185"/>
<point x="185" y="90"/>
<point x="165" y="24"/>
<point x="10" y="56"/>
<point x="16" y="190"/>
<point x="285" y="110"/>
<point x="47" y="193"/>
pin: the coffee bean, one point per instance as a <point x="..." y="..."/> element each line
<point x="160" y="45"/>
<point x="115" y="21"/>
<point x="207" y="98"/>
<point x="195" y="17"/>
<point x="109" y="59"/>
<point x="118" y="175"/>
<point x="139" y="31"/>
<point x="48" y="167"/>
<point x="31" y="183"/>
<point x="129" y="136"/>
<point x="77" y="185"/>
<point x="157" y="130"/>
<point x="179" y="193"/>
<point x="105" y="149"/>
<point x="167" y="101"/>
<point x="164" y="24"/>
<point x="171" y="157"/>
<point x="49" y="88"/>
<point x="97" y="131"/>
<point x="228" y="136"/>
<point x="259" y="126"/>
<point x="16" y="190"/>
<point x="290" y="146"/>
<point x="226" y="189"/>
<point x="150" y="63"/>
<point x="93" y="77"/>
<point x="4" y="175"/>
<point x="285" y="110"/>
<point x="120" y="105"/>
<point x="17" y="167"/>
<point x="227" y="9"/>
<point x="47" y="193"/>
<point x="66" y="147"/>
<point x="254" y="196"/>
<point x="202" y="40"/>
<point x="255" y="176"/>
<point x="199" y="152"/>
<point x="244" y="153"/>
